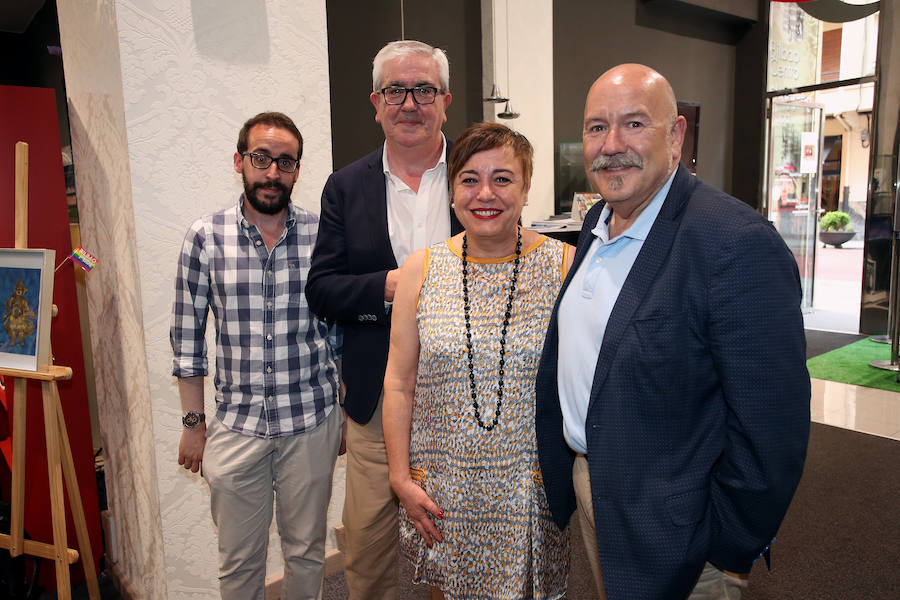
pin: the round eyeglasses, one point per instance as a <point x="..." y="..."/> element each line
<point x="262" y="161"/>
<point x="422" y="94"/>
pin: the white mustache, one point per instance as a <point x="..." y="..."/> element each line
<point x="617" y="161"/>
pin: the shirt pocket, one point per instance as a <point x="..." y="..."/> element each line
<point x="290" y="281"/>
<point x="655" y="361"/>
<point x="661" y="339"/>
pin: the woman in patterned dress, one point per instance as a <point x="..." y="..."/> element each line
<point x="467" y="330"/>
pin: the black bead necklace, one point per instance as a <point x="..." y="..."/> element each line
<point x="509" y="300"/>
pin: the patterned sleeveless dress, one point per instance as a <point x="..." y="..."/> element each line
<point x="500" y="541"/>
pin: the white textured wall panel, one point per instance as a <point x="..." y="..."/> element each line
<point x="158" y="90"/>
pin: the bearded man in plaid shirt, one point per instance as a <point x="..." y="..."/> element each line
<point x="277" y="428"/>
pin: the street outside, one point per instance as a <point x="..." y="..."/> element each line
<point x="837" y="288"/>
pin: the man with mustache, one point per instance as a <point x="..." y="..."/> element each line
<point x="375" y="213"/>
<point x="673" y="395"/>
<point x="277" y="428"/>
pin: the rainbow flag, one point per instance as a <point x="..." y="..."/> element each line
<point x="83" y="258"/>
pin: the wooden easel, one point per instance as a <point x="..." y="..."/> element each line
<point x="59" y="452"/>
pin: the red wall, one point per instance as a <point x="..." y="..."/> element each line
<point x="29" y="115"/>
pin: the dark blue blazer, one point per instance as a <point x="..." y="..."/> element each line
<point x="346" y="278"/>
<point x="698" y="418"/>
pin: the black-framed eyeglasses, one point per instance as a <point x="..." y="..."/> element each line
<point x="262" y="161"/>
<point x="422" y="94"/>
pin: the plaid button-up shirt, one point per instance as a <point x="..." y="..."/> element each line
<point x="275" y="374"/>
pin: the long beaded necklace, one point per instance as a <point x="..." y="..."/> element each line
<point x="509" y="300"/>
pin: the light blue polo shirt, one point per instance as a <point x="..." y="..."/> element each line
<point x="585" y="309"/>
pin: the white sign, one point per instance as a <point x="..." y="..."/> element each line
<point x="809" y="152"/>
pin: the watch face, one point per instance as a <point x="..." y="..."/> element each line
<point x="192" y="419"/>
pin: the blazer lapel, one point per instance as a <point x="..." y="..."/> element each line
<point x="375" y="197"/>
<point x="585" y="238"/>
<point x="643" y="273"/>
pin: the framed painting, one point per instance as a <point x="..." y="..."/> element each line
<point x="26" y="301"/>
<point x="582" y="203"/>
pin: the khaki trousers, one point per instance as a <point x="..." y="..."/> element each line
<point x="713" y="584"/>
<point x="245" y="475"/>
<point x="370" y="515"/>
<point x="585" y="511"/>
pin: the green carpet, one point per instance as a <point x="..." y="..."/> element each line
<point x="850" y="364"/>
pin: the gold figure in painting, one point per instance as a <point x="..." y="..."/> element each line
<point x="18" y="318"/>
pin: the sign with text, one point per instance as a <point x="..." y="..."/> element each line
<point x="793" y="54"/>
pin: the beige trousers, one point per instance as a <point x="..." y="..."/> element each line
<point x="245" y="475"/>
<point x="370" y="515"/>
<point x="713" y="583"/>
<point x="585" y="512"/>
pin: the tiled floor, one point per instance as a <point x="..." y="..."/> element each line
<point x="858" y="408"/>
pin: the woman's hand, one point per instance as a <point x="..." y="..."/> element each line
<point x="418" y="507"/>
<point x="399" y="391"/>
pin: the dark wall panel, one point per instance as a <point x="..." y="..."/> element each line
<point x="357" y="30"/>
<point x="590" y="37"/>
<point x="455" y="27"/>
<point x="749" y="107"/>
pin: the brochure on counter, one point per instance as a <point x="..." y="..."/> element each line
<point x="557" y="223"/>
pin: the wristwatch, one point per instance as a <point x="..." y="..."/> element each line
<point x="192" y="419"/>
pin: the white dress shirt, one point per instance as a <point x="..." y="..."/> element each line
<point x="417" y="219"/>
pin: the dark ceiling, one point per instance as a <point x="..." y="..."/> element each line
<point x="16" y="15"/>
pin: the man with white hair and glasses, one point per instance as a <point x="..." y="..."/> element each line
<point x="375" y="213"/>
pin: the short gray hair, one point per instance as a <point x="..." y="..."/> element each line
<point x="407" y="48"/>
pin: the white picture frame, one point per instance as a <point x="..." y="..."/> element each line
<point x="26" y="303"/>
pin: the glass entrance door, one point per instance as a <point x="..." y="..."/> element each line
<point x="793" y="181"/>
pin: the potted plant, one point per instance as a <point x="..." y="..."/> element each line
<point x="835" y="228"/>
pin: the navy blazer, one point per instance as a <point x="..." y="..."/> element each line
<point x="698" y="418"/>
<point x="346" y="278"/>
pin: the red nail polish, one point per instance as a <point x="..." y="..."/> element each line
<point x="441" y="515"/>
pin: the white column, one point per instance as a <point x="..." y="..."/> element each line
<point x="157" y="93"/>
<point x="523" y="68"/>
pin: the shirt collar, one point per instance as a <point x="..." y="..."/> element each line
<point x="288" y="222"/>
<point x="441" y="160"/>
<point x="640" y="229"/>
